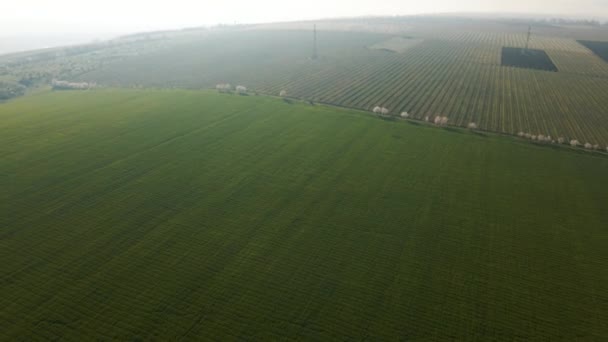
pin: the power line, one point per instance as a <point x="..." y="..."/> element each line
<point x="314" y="48"/>
<point x="529" y="36"/>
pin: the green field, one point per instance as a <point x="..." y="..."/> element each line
<point x="426" y="66"/>
<point x="455" y="75"/>
<point x="168" y="215"/>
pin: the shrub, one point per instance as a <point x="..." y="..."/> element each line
<point x="9" y="90"/>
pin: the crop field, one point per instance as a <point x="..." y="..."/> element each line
<point x="455" y="73"/>
<point x="172" y="214"/>
<point x="397" y="44"/>
<point x="599" y="48"/>
<point x="444" y="67"/>
<point x="527" y="58"/>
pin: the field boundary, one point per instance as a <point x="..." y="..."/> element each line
<point x="431" y="125"/>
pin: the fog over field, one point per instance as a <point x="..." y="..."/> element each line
<point x="31" y="41"/>
<point x="33" y="24"/>
<point x="387" y="170"/>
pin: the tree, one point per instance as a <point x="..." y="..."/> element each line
<point x="561" y="140"/>
<point x="380" y="110"/>
<point x="10" y="89"/>
<point x="441" y="120"/>
<point x="574" y="143"/>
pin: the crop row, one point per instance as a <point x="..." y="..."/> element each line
<point x="439" y="79"/>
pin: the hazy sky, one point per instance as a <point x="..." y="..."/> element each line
<point x="109" y="16"/>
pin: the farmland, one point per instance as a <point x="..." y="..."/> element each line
<point x="599" y="48"/>
<point x="527" y="58"/>
<point x="426" y="66"/>
<point x="459" y="76"/>
<point x="397" y="44"/>
<point x="174" y="214"/>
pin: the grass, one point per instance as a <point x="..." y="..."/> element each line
<point x="167" y="215"/>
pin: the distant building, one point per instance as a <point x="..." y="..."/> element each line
<point x="65" y="85"/>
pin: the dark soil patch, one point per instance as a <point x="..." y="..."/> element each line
<point x="598" y="48"/>
<point x="527" y="58"/>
